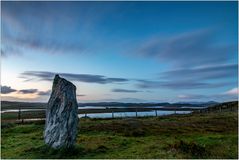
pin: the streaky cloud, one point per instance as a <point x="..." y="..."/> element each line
<point x="44" y="93"/>
<point x="194" y="78"/>
<point x="233" y="91"/>
<point x="7" y="51"/>
<point x="178" y="85"/>
<point x="191" y="96"/>
<point x="87" y="78"/>
<point x="28" y="91"/>
<point x="7" y="90"/>
<point x="203" y="73"/>
<point x="81" y="95"/>
<point x="189" y="49"/>
<point x="36" y="26"/>
<point x="125" y="90"/>
<point x="19" y="32"/>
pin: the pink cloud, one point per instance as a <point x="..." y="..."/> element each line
<point x="233" y="91"/>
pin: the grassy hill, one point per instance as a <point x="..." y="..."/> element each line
<point x="205" y="135"/>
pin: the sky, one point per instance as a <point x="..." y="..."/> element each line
<point x="120" y="51"/>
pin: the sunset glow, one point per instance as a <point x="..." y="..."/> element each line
<point x="120" y="51"/>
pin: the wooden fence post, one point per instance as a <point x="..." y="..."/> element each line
<point x="136" y="113"/>
<point x="19" y="113"/>
<point x="156" y="114"/>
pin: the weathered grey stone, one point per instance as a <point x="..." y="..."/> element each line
<point x="61" y="115"/>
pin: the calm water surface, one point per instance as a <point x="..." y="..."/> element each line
<point x="115" y="114"/>
<point x="132" y="114"/>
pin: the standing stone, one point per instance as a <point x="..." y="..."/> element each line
<point x="61" y="115"/>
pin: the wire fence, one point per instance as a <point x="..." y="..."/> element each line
<point x="22" y="114"/>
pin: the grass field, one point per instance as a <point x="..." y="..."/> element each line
<point x="213" y="135"/>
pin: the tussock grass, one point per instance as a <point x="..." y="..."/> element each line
<point x="212" y="135"/>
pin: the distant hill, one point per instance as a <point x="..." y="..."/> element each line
<point x="117" y="104"/>
<point x="225" y="106"/>
<point x="16" y="105"/>
<point x="199" y="103"/>
<point x="165" y="104"/>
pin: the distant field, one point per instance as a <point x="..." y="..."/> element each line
<point x="212" y="135"/>
<point x="16" y="105"/>
<point x="10" y="116"/>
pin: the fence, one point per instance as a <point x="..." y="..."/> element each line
<point x="38" y="113"/>
<point x="29" y="114"/>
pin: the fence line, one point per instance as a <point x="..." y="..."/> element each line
<point x="219" y="108"/>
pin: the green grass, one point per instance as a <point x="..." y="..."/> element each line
<point x="211" y="135"/>
<point x="10" y="116"/>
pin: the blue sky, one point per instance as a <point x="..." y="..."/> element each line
<point x="120" y="51"/>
